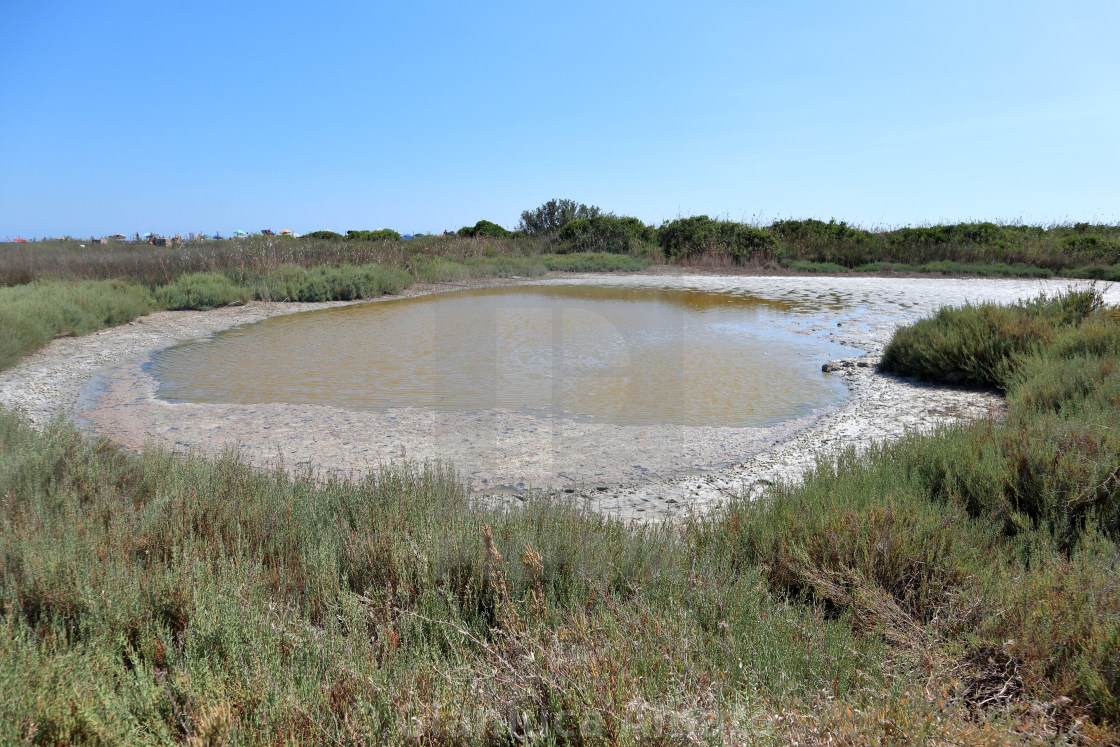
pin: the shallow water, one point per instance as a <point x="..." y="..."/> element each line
<point x="618" y="355"/>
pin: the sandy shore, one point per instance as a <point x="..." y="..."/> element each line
<point x="643" y="473"/>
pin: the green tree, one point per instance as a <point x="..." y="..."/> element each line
<point x="607" y="233"/>
<point x="550" y="217"/>
<point x="698" y="234"/>
<point x="485" y="228"/>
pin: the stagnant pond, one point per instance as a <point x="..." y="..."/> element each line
<point x="625" y="356"/>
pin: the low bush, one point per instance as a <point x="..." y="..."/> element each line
<point x="201" y="290"/>
<point x="324" y="235"/>
<point x="345" y="283"/>
<point x="486" y="229"/>
<point x="609" y="234"/>
<point x="34" y="314"/>
<point x="688" y="237"/>
<point x="993" y="543"/>
<point x="982" y="344"/>
<point x="381" y="234"/>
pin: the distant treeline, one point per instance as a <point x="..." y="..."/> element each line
<point x="561" y="226"/>
<point x="568" y="226"/>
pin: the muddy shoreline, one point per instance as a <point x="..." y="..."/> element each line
<point x="646" y="473"/>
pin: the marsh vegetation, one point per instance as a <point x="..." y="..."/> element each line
<point x="954" y="587"/>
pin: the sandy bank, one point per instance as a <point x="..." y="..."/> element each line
<point x="637" y="472"/>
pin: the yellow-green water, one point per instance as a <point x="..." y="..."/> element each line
<point x="618" y="355"/>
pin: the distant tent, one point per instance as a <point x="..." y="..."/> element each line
<point x="20" y="241"/>
<point x="240" y="233"/>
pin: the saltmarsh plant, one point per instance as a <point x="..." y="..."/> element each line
<point x="684" y="238"/>
<point x="982" y="344"/>
<point x="958" y="586"/>
<point x="156" y="597"/>
<point x="610" y="234"/>
<point x="32" y="315"/>
<point x="594" y="262"/>
<point x="344" y="283"/>
<point x="201" y="290"/>
<point x="991" y="546"/>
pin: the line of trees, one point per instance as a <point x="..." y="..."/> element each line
<point x="565" y="225"/>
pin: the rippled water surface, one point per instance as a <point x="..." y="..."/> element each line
<point x="617" y="355"/>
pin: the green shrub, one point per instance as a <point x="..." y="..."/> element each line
<point x="487" y="229"/>
<point x="1093" y="246"/>
<point x="202" y="291"/>
<point x="981" y="344"/>
<point x="381" y="234"/>
<point x="812" y="233"/>
<point x="344" y="283"/>
<point x="550" y="217"/>
<point x="699" y="234"/>
<point x="324" y="235"/>
<point x="34" y="314"/>
<point x="607" y="233"/>
<point x="910" y="237"/>
<point x="1095" y="272"/>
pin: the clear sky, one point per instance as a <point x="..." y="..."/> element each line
<point x="423" y="116"/>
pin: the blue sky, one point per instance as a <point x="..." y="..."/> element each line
<point x="207" y="116"/>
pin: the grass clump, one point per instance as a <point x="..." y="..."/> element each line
<point x="34" y="314"/>
<point x="801" y="265"/>
<point x="201" y="291"/>
<point x="1109" y="273"/>
<point x="344" y="283"/>
<point x="885" y="267"/>
<point x="594" y="262"/>
<point x="991" y="546"/>
<point x="983" y="344"/>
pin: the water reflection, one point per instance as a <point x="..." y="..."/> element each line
<point x="617" y="355"/>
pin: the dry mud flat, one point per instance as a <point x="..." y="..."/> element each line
<point x="642" y="473"/>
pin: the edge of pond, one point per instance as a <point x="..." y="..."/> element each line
<point x="53" y="382"/>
